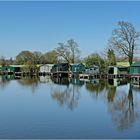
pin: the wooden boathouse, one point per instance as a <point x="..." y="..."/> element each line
<point x="135" y="73"/>
<point x="11" y="69"/>
<point x="93" y="70"/>
<point x="77" y="69"/>
<point x="45" y="69"/>
<point x="120" y="70"/>
<point x="60" y="70"/>
<point x="19" y="70"/>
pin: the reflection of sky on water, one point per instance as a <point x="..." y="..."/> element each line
<point x="75" y="109"/>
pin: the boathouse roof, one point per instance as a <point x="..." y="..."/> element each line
<point x="77" y="64"/>
<point x="50" y="65"/>
<point x="136" y="64"/>
<point x="17" y="66"/>
<point x="123" y="64"/>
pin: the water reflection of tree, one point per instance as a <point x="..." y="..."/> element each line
<point x="66" y="95"/>
<point x="32" y="82"/>
<point x="95" y="88"/>
<point x="122" y="110"/>
<point x="111" y="93"/>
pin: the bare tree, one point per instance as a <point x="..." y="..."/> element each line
<point x="69" y="52"/>
<point x="63" y="52"/>
<point x="74" y="50"/>
<point x="124" y="40"/>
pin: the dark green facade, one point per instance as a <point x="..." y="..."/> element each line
<point x="10" y="69"/>
<point x="135" y="68"/>
<point x="7" y="69"/>
<point x="62" y="67"/>
<point x="77" y="68"/>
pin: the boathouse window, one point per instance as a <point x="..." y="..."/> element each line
<point x="111" y="70"/>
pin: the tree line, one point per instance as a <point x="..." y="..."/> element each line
<point x="122" y="45"/>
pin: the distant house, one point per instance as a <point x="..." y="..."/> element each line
<point x="135" y="73"/>
<point x="11" y="69"/>
<point x="135" y="69"/>
<point x="117" y="70"/>
<point x="77" y="68"/>
<point x="61" y="67"/>
<point x="121" y="68"/>
<point x="60" y="70"/>
<point x="92" y="70"/>
<point x="46" y="68"/>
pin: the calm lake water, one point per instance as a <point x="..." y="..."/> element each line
<point x="62" y="108"/>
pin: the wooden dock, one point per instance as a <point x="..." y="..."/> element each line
<point x="68" y="74"/>
<point x="112" y="76"/>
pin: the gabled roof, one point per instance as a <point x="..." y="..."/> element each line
<point x="123" y="64"/>
<point x="17" y="65"/>
<point x="77" y="64"/>
<point x="50" y="65"/>
<point x="136" y="64"/>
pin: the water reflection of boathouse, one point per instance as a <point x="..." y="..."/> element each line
<point x="60" y="81"/>
<point x="45" y="79"/>
<point x="121" y="69"/>
<point x="117" y="82"/>
<point x="77" y="82"/>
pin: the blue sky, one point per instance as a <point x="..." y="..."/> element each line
<point x="40" y="26"/>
